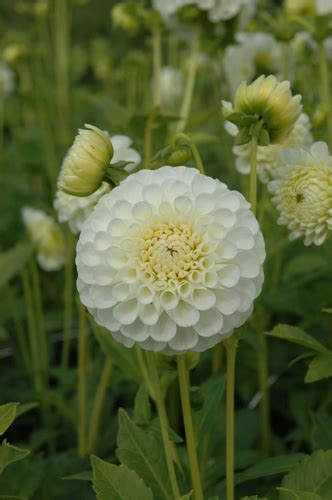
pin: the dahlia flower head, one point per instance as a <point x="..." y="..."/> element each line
<point x="46" y="234"/>
<point x="75" y="209"/>
<point x="170" y="260"/>
<point x="268" y="100"/>
<point x="217" y="10"/>
<point x="171" y="86"/>
<point x="269" y="157"/>
<point x="302" y="193"/>
<point x="85" y="165"/>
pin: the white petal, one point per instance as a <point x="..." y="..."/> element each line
<point x="202" y="298"/>
<point x="185" y="339"/>
<point x="164" y="330"/>
<point x="229" y="275"/>
<point x="228" y="301"/>
<point x="168" y="300"/>
<point x="184" y="314"/>
<point x="148" y="314"/>
<point x="210" y="323"/>
<point x="136" y="331"/>
<point x="126" y="312"/>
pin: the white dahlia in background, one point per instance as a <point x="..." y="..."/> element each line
<point x="46" y="234"/>
<point x="302" y="192"/>
<point x="170" y="260"/>
<point x="75" y="209"/>
<point x="171" y="86"/>
<point x="269" y="157"/>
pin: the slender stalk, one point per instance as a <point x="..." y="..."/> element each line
<point x="19" y="329"/>
<point x="189" y="85"/>
<point x="68" y="296"/>
<point x="42" y="339"/>
<point x="99" y="403"/>
<point x="144" y="371"/>
<point x="81" y="389"/>
<point x="217" y="357"/>
<point x="156" y="60"/>
<point x="62" y="65"/>
<point x="32" y="329"/>
<point x="188" y="426"/>
<point x="253" y="175"/>
<point x="265" y="402"/>
<point x="231" y="346"/>
<point x="163" y="423"/>
<point x="197" y="157"/>
<point x="2" y="123"/>
<point x="326" y="88"/>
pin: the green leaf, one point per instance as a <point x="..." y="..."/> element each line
<point x="123" y="357"/>
<point x="117" y="482"/>
<point x="300" y="495"/>
<point x="10" y="454"/>
<point x="142" y="452"/>
<point x="24" y="408"/>
<point x="320" y="367"/>
<point x="80" y="476"/>
<point x="142" y="409"/>
<point x="297" y="336"/>
<point x="14" y="260"/>
<point x="327" y="310"/>
<point x="188" y="496"/>
<point x="7" y="416"/>
<point x="253" y="497"/>
<point x="321" y="433"/>
<point x="312" y="475"/>
<point x="269" y="467"/>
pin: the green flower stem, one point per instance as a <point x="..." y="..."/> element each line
<point x="325" y="89"/>
<point x="253" y="174"/>
<point x="188" y="426"/>
<point x="159" y="399"/>
<point x="81" y="388"/>
<point x="98" y="404"/>
<point x="32" y="329"/>
<point x="185" y="139"/>
<point x="231" y="347"/>
<point x="156" y="60"/>
<point x="263" y="386"/>
<point x="2" y="123"/>
<point x="42" y="339"/>
<point x="189" y="85"/>
<point x="217" y="357"/>
<point x="19" y="329"/>
<point x="68" y="296"/>
<point x="62" y="66"/>
<point x="144" y="371"/>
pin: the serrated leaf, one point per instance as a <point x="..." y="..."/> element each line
<point x="80" y="476"/>
<point x="142" y="408"/>
<point x="25" y="407"/>
<point x="212" y="392"/>
<point x="142" y="452"/>
<point x="321" y="433"/>
<point x="297" y="336"/>
<point x="312" y="475"/>
<point x="7" y="416"/>
<point x="117" y="482"/>
<point x="320" y="367"/>
<point x="269" y="467"/>
<point x="10" y="454"/>
<point x="299" y="495"/>
<point x="13" y="261"/>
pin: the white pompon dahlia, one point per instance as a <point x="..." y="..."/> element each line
<point x="75" y="209"/>
<point x="269" y="157"/>
<point x="46" y="234"/>
<point x="302" y="192"/>
<point x="170" y="260"/>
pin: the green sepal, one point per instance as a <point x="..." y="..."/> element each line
<point x="241" y="119"/>
<point x="243" y="137"/>
<point x="263" y="138"/>
<point x="117" y="172"/>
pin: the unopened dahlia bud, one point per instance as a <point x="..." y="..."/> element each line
<point x="46" y="234"/>
<point x="171" y="260"/>
<point x="84" y="167"/>
<point x="299" y="7"/>
<point x="302" y="192"/>
<point x="265" y="108"/>
<point x="123" y="17"/>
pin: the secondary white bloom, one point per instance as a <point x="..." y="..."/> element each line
<point x="323" y="7"/>
<point x="170" y="260"/>
<point x="302" y="192"/>
<point x="269" y="157"/>
<point x="254" y="52"/>
<point x="171" y="86"/>
<point x="75" y="209"/>
<point x="6" y="80"/>
<point x="46" y="234"/>
<point x="217" y="10"/>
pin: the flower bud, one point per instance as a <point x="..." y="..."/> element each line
<point x="265" y="108"/>
<point x="299" y="7"/>
<point x="45" y="233"/>
<point x="123" y="17"/>
<point x="84" y="167"/>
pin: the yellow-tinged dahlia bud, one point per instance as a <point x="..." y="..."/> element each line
<point x="265" y="108"/>
<point x="300" y="7"/>
<point x="46" y="234"/>
<point x="84" y="167"/>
